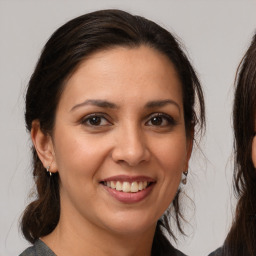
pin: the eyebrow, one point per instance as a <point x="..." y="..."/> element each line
<point x="162" y="103"/>
<point x="107" y="104"/>
<point x="98" y="103"/>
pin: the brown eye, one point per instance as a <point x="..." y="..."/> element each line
<point x="157" y="120"/>
<point x="161" y="120"/>
<point x="95" y="120"/>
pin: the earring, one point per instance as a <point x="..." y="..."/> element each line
<point x="48" y="170"/>
<point x="184" y="180"/>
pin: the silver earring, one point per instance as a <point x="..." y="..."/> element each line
<point x="48" y="170"/>
<point x="184" y="180"/>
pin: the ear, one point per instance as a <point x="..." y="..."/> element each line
<point x="44" y="146"/>
<point x="190" y="142"/>
<point x="254" y="151"/>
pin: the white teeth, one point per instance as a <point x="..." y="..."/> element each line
<point x="112" y="184"/>
<point x="134" y="187"/>
<point x="126" y="186"/>
<point x="119" y="186"/>
<point x="140" y="185"/>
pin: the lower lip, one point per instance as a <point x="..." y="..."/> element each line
<point x="129" y="198"/>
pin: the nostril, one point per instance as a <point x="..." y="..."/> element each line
<point x="129" y="157"/>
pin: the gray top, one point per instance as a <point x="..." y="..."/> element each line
<point x="216" y="253"/>
<point x="38" y="249"/>
<point x="179" y="253"/>
<point x="41" y="249"/>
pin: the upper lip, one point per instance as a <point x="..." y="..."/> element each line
<point x="129" y="178"/>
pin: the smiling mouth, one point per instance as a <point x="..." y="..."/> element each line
<point x="127" y="187"/>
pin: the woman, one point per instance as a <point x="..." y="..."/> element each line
<point x="110" y="109"/>
<point x="241" y="240"/>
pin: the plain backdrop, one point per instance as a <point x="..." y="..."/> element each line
<point x="216" y="35"/>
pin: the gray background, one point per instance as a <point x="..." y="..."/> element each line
<point x="216" y="35"/>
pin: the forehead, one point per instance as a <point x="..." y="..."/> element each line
<point x="124" y="73"/>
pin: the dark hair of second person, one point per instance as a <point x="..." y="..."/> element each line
<point x="241" y="239"/>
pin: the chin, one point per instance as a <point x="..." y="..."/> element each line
<point x="130" y="224"/>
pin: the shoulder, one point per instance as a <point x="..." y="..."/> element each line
<point x="216" y="253"/>
<point x="38" y="249"/>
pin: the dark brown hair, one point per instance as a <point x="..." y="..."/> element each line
<point x="241" y="240"/>
<point x="65" y="50"/>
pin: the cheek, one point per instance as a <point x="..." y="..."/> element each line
<point x="78" y="159"/>
<point x="78" y="154"/>
<point x="172" y="159"/>
<point x="172" y="155"/>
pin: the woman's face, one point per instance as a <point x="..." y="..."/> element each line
<point x="119" y="141"/>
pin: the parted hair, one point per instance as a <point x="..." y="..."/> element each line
<point x="70" y="45"/>
<point x="241" y="240"/>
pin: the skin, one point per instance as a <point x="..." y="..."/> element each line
<point x="127" y="140"/>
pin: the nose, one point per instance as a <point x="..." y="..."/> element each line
<point x="131" y="147"/>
